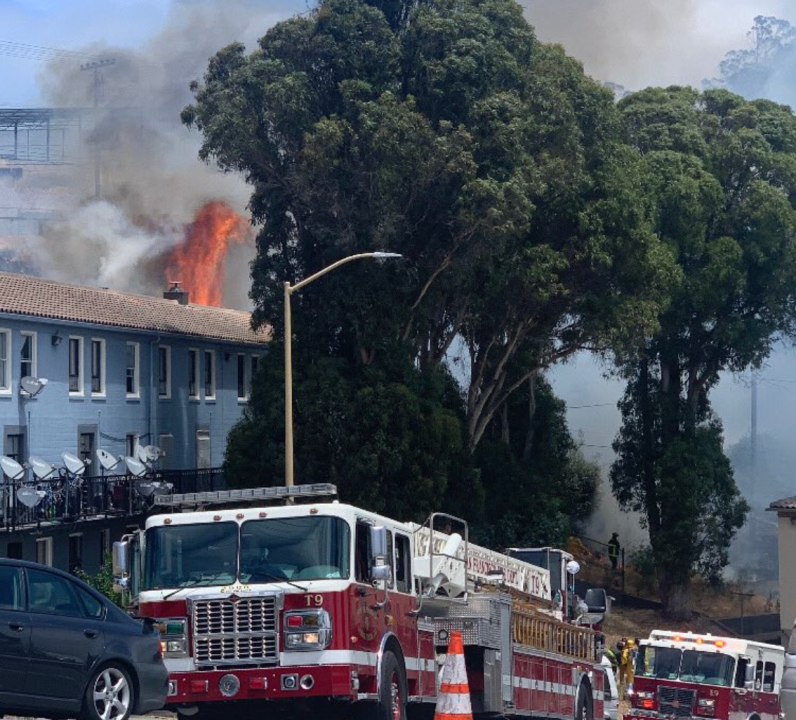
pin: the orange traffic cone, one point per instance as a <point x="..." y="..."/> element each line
<point x="453" y="702"/>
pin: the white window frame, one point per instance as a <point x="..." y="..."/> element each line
<point x="81" y="370"/>
<point x="136" y="392"/>
<point x="246" y="377"/>
<point x="103" y="365"/>
<point x="47" y="544"/>
<point x="196" y="368"/>
<point x="5" y="378"/>
<point x="131" y="443"/>
<point x="167" y="394"/>
<point x="211" y="354"/>
<point x="34" y="352"/>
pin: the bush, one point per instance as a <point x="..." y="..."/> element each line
<point x="103" y="581"/>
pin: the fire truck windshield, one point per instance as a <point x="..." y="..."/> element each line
<point x="274" y="550"/>
<point x="190" y="556"/>
<point x="694" y="666"/>
<point x="296" y="548"/>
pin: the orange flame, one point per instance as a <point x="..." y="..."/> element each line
<point x="198" y="262"/>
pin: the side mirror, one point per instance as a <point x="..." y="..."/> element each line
<point x="381" y="570"/>
<point x="121" y="558"/>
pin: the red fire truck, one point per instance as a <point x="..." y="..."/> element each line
<point x="283" y="596"/>
<point x="683" y="675"/>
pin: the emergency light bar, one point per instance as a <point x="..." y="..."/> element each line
<point x="259" y="495"/>
<point x="689" y="638"/>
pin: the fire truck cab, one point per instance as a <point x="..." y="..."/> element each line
<point x="323" y="608"/>
<point x="685" y="675"/>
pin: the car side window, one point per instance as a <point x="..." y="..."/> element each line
<point x="759" y="675"/>
<point x="11" y="597"/>
<point x="54" y="595"/>
<point x="94" y="608"/>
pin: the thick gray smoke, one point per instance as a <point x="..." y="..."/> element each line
<point x="656" y="42"/>
<point x="151" y="180"/>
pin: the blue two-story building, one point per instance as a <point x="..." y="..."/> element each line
<point x="121" y="370"/>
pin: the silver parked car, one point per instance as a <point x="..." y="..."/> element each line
<point x="788" y="693"/>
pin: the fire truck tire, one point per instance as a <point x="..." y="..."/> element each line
<point x="392" y="692"/>
<point x="584" y="708"/>
<point x="110" y="692"/>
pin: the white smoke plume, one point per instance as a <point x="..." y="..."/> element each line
<point x="152" y="181"/>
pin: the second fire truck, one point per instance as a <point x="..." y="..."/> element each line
<point x="684" y="675"/>
<point x="322" y="608"/>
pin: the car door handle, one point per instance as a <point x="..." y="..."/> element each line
<point x="16" y="627"/>
<point x="90" y="633"/>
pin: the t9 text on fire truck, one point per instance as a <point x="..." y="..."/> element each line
<point x="321" y="608"/>
<point x="683" y="675"/>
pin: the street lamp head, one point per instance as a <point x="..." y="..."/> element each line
<point x="386" y="255"/>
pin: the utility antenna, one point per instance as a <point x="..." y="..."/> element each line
<point x="95" y="66"/>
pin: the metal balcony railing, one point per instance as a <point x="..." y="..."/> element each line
<point x="70" y="499"/>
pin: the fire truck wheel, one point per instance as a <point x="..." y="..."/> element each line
<point x="110" y="695"/>
<point x="584" y="709"/>
<point x="393" y="690"/>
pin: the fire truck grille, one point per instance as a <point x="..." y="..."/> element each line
<point x="229" y="631"/>
<point x="676" y="702"/>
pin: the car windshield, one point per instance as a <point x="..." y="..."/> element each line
<point x="295" y="549"/>
<point x="190" y="556"/>
<point x="274" y="550"/>
<point x="693" y="666"/>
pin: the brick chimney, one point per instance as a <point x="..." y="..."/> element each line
<point x="176" y="292"/>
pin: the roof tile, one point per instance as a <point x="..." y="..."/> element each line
<point x="33" y="296"/>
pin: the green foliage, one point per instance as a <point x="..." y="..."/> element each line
<point x="103" y="581"/>
<point x="444" y="131"/>
<point x="719" y="176"/>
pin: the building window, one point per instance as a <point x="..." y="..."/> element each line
<point x="15" y="446"/>
<point x="75" y="365"/>
<point x="164" y="371"/>
<point x="44" y="551"/>
<point x="193" y="374"/>
<point x="97" y="367"/>
<point x="14" y="551"/>
<point x="131" y="445"/>
<point x="243" y="389"/>
<point x="27" y="355"/>
<point x="210" y="374"/>
<point x="202" y="449"/>
<point x="133" y="369"/>
<point x="85" y="446"/>
<point x="75" y="552"/>
<point x="255" y="363"/>
<point x="5" y="361"/>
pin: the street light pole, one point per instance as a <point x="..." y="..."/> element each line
<point x="289" y="290"/>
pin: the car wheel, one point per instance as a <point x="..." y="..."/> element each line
<point x="110" y="695"/>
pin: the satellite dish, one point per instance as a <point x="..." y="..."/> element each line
<point x="41" y="468"/>
<point x="135" y="467"/>
<point x="12" y="468"/>
<point x="140" y="454"/>
<point x="107" y="460"/>
<point x="74" y="464"/>
<point x="30" y="497"/>
<point x="32" y="386"/>
<point x="146" y="488"/>
<point x="152" y="453"/>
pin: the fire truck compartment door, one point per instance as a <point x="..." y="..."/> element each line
<point x="506" y="652"/>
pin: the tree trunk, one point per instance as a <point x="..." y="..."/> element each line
<point x="674" y="595"/>
<point x="529" y="435"/>
<point x="505" y="435"/>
